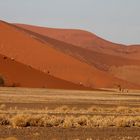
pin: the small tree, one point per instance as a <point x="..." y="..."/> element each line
<point x="1" y="81"/>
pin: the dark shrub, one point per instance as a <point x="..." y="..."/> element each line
<point x="1" y="81"/>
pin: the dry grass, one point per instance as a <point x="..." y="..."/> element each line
<point x="70" y="116"/>
<point x="120" y="110"/>
<point x="4" y="120"/>
<point x="36" y="120"/>
<point x="70" y="121"/>
<point x="28" y="95"/>
<point x="59" y="117"/>
<point x="2" y="106"/>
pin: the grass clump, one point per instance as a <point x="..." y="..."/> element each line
<point x="20" y="120"/>
<point x="122" y="109"/>
<point x="69" y="121"/>
<point x="83" y="120"/>
<point x="62" y="109"/>
<point x="52" y="121"/>
<point x="126" y="121"/>
<point x="2" y="106"/>
<point x="4" y="120"/>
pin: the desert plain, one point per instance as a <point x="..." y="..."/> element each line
<point x="40" y="114"/>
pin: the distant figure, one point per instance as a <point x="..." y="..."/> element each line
<point x="120" y="89"/>
<point x="4" y="57"/>
<point x="80" y="83"/>
<point x="12" y="59"/>
<point x="48" y="72"/>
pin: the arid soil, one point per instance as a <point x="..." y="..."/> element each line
<point x="70" y="134"/>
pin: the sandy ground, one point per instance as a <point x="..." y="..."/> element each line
<point x="21" y="98"/>
<point x="36" y="98"/>
<point x="71" y="134"/>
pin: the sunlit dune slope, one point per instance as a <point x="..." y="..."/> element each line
<point x="17" y="74"/>
<point x="31" y="51"/>
<point x="105" y="62"/>
<point x="87" y="40"/>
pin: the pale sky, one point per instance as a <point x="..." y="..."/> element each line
<point x="114" y="20"/>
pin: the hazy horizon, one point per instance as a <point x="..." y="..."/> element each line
<point x="116" y="21"/>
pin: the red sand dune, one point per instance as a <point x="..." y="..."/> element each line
<point x="17" y="74"/>
<point x="87" y="40"/>
<point x="31" y="51"/>
<point x="117" y="66"/>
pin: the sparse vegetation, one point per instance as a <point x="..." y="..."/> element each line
<point x="4" y="120"/>
<point x="69" y="121"/>
<point x="65" y="110"/>
<point x="38" y="112"/>
<point x="2" y="82"/>
<point x="2" y="106"/>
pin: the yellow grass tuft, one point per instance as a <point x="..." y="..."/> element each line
<point x="20" y="120"/>
<point x="4" y="120"/>
<point x="2" y="106"/>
